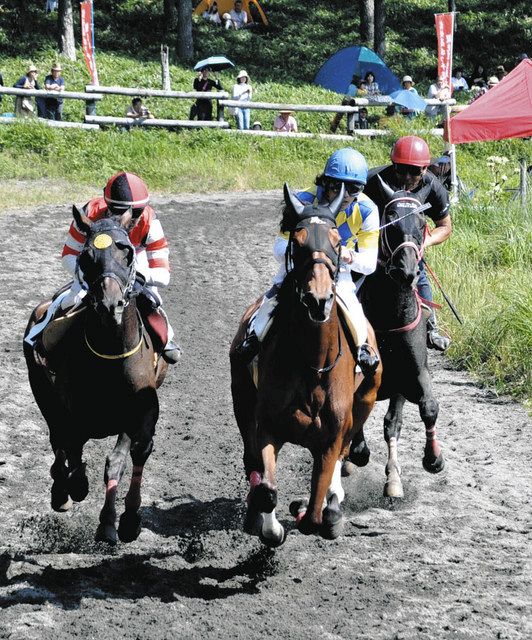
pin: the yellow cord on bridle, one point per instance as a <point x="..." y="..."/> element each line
<point x="118" y="356"/>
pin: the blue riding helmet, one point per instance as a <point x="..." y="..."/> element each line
<point x="347" y="164"/>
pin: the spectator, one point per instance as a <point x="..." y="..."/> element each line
<point x="202" y="109"/>
<point x="256" y="126"/>
<point x="458" y="81"/>
<point x="371" y="84"/>
<point x="137" y="110"/>
<point x="24" y="107"/>
<point x="479" y="76"/>
<point x="362" y="119"/>
<point x="54" y="82"/>
<point x="500" y="72"/>
<point x="243" y="92"/>
<point x="437" y="91"/>
<point x="237" y="18"/>
<point x="348" y="100"/>
<point x="285" y="121"/>
<point x="480" y="91"/>
<point x="212" y="14"/>
<point x="408" y="85"/>
<point x="362" y="89"/>
<point x="441" y="168"/>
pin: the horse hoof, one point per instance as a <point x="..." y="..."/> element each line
<point x="61" y="501"/>
<point x="130" y="526"/>
<point x="78" y="483"/>
<point x="333" y="521"/>
<point x="360" y="455"/>
<point x="252" y="523"/>
<point x="348" y="468"/>
<point x="263" y="499"/>
<point x="435" y="466"/>
<point x="106" y="533"/>
<point x="306" y="526"/>
<point x="298" y="506"/>
<point x="276" y="540"/>
<point x="393" y="490"/>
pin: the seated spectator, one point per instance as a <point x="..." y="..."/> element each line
<point x="362" y="119"/>
<point x="348" y="100"/>
<point x="237" y="18"/>
<point x="458" y="81"/>
<point x="480" y="91"/>
<point x="500" y="72"/>
<point x="479" y="76"/>
<point x="362" y="89"/>
<point x="212" y="14"/>
<point x="54" y="82"/>
<point x="285" y="121"/>
<point x="371" y="84"/>
<point x="243" y="92"/>
<point x="202" y="109"/>
<point x="24" y="107"/>
<point x="256" y="126"/>
<point x="137" y="110"/>
<point x="408" y="85"/>
<point x="437" y="91"/>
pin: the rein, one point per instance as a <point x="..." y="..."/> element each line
<point x="338" y="356"/>
<point x="117" y="356"/>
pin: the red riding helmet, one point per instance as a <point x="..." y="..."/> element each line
<point x="411" y="150"/>
<point x="126" y="190"/>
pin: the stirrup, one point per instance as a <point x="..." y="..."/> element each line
<point x="367" y="362"/>
<point x="172" y="352"/>
<point x="248" y="348"/>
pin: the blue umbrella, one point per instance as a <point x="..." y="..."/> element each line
<point x="216" y="63"/>
<point x="408" y="99"/>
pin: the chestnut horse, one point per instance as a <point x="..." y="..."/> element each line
<point x="308" y="391"/>
<point x="101" y="379"/>
<point x="392" y="305"/>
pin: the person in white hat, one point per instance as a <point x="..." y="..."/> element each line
<point x="243" y="92"/>
<point x="408" y="85"/>
<point x="24" y="107"/>
<point x="54" y="82"/>
<point x="285" y="122"/>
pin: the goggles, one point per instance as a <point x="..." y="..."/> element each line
<point x="351" y="188"/>
<point x="411" y="169"/>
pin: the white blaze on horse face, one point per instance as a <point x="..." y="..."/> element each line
<point x="316" y="220"/>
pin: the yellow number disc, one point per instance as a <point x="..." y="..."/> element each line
<point x="102" y="241"/>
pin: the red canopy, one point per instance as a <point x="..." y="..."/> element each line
<point x="505" y="111"/>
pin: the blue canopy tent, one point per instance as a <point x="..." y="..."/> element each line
<point x="336" y="73"/>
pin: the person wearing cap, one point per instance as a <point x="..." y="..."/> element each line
<point x="362" y="122"/>
<point x="410" y="160"/>
<point x="54" y="82"/>
<point x="408" y="85"/>
<point x="243" y="92"/>
<point x="285" y="122"/>
<point x="24" y="107"/>
<point x="202" y="109"/>
<point x="500" y="72"/>
<point x="358" y="224"/>
<point x="122" y="192"/>
<point x="256" y="126"/>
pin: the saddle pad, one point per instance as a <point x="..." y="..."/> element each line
<point x="346" y="319"/>
<point x="58" y="328"/>
<point x="158" y="330"/>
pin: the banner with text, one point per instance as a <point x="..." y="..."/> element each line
<point x="445" y="32"/>
<point x="87" y="39"/>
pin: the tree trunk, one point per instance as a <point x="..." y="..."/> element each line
<point x="367" y="22"/>
<point x="185" y="44"/>
<point x="65" y="24"/>
<point x="380" y="28"/>
<point x="170" y="16"/>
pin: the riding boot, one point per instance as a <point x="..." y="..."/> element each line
<point x="171" y="351"/>
<point x="248" y="348"/>
<point x="367" y="361"/>
<point x="434" y="338"/>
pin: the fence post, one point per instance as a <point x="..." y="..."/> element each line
<point x="523" y="181"/>
<point x="90" y="107"/>
<point x="165" y="52"/>
<point x="220" y="111"/>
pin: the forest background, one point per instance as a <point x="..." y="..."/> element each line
<point x="484" y="267"/>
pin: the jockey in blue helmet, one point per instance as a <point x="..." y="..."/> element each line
<point x="358" y="225"/>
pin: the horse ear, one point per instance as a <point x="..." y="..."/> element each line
<point x="389" y="192"/>
<point x="293" y="200"/>
<point x="83" y="222"/>
<point x="335" y="205"/>
<point x="125" y="218"/>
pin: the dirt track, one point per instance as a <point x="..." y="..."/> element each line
<point x="449" y="561"/>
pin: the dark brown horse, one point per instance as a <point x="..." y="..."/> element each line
<point x="308" y="390"/>
<point x="100" y="379"/>
<point x="391" y="304"/>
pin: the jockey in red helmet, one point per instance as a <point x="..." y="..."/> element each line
<point x="411" y="157"/>
<point x="122" y="191"/>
